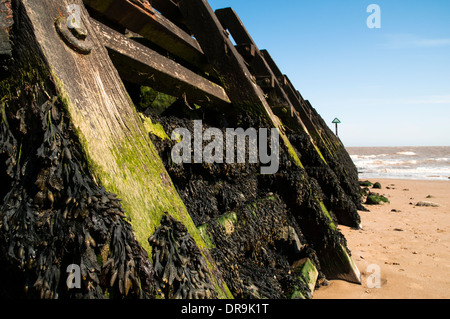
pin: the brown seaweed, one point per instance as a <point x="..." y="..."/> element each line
<point x="53" y="213"/>
<point x="180" y="268"/>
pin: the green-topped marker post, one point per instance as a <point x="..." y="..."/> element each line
<point x="336" y="121"/>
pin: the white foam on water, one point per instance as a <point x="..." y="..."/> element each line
<point x="407" y="153"/>
<point x="383" y="163"/>
<point x="422" y="173"/>
<point x="356" y="157"/>
<point x="443" y="159"/>
<point x="429" y="163"/>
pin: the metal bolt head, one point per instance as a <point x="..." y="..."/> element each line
<point x="79" y="32"/>
<point x="75" y="36"/>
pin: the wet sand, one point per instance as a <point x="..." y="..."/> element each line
<point x="409" y="245"/>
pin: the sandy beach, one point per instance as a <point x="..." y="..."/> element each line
<point x="408" y="244"/>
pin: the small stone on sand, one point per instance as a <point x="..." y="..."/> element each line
<point x="427" y="204"/>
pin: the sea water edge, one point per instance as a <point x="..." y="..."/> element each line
<point x="402" y="162"/>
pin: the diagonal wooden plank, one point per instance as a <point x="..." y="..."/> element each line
<point x="138" y="64"/>
<point x="294" y="96"/>
<point x="171" y="11"/>
<point x="154" y="27"/>
<point x="231" y="21"/>
<point x="249" y="50"/>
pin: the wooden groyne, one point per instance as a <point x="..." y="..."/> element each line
<point x="87" y="177"/>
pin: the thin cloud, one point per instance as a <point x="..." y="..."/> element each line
<point x="430" y="100"/>
<point x="432" y="42"/>
<point x="405" y="41"/>
<point x="420" y="100"/>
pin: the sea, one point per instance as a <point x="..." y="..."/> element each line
<point x="418" y="163"/>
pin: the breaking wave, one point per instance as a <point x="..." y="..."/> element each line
<point x="419" y="163"/>
<point x="407" y="153"/>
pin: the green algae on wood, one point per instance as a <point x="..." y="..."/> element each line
<point x="203" y="230"/>
<point x="154" y="128"/>
<point x="327" y="214"/>
<point x="136" y="174"/>
<point x="308" y="274"/>
<point x="228" y="221"/>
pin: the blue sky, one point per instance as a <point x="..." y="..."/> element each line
<point x="388" y="86"/>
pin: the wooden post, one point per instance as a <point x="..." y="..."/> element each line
<point x="121" y="155"/>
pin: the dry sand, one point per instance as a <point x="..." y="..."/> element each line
<point x="409" y="244"/>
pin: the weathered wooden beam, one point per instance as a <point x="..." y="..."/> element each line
<point x="154" y="27"/>
<point x="231" y="21"/>
<point x="282" y="78"/>
<point x="138" y="64"/>
<point x="171" y="11"/>
<point x="250" y="52"/>
<point x="271" y="63"/>
<point x="166" y="7"/>
<point x="293" y="95"/>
